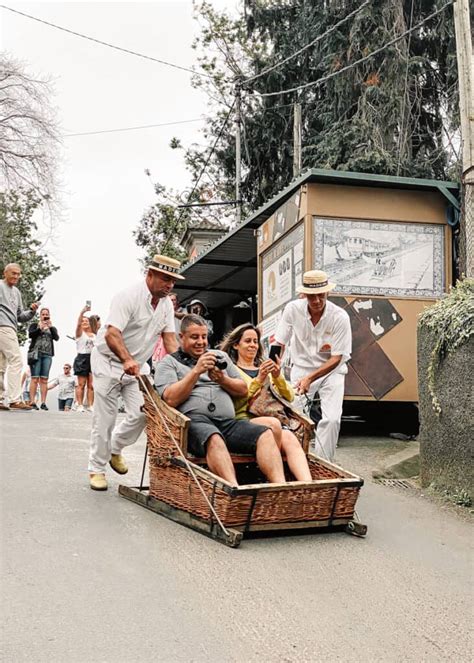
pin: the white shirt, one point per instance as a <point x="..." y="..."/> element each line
<point x="67" y="384"/>
<point x="132" y="314"/>
<point x="312" y="345"/>
<point x="85" y="343"/>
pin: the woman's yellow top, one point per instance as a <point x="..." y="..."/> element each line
<point x="280" y="385"/>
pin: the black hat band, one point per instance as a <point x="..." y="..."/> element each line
<point x="315" y="285"/>
<point x="165" y="268"/>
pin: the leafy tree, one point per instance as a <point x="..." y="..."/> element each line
<point x="396" y="113"/>
<point x="161" y="227"/>
<point x="19" y="244"/>
<point x="163" y="224"/>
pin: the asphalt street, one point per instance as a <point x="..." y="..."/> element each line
<point x="90" y="577"/>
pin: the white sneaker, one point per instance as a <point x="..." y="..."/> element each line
<point x="80" y="408"/>
<point x="88" y="409"/>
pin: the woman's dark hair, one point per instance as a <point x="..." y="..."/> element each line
<point x="234" y="337"/>
<point x="94" y="323"/>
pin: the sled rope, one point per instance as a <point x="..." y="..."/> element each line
<point x="180" y="451"/>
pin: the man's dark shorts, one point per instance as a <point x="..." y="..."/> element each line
<point x="240" y="436"/>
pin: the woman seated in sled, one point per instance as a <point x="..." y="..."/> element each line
<point x="244" y="347"/>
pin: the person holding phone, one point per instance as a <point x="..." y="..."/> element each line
<point x="40" y="355"/>
<point x="244" y="347"/>
<point x="86" y="330"/>
<point x="321" y="345"/>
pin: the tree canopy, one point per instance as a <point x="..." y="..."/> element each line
<point x="395" y="113"/>
<point x="18" y="244"/>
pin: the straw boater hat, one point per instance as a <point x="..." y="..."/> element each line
<point x="315" y="282"/>
<point x="166" y="265"/>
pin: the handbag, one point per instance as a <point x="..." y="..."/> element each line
<point x="267" y="403"/>
<point x="32" y="356"/>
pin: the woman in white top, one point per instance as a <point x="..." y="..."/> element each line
<point x="86" y="330"/>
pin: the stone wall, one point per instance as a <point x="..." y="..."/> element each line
<point x="446" y="441"/>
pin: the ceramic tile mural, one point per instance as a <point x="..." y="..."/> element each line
<point x="379" y="258"/>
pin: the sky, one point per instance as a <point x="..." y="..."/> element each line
<point x="105" y="189"/>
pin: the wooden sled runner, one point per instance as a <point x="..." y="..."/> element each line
<point x="184" y="490"/>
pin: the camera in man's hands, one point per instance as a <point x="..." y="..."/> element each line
<point x="221" y="364"/>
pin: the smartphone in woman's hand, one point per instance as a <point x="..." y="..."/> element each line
<point x="275" y="351"/>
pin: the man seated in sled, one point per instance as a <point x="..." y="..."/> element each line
<point x="201" y="383"/>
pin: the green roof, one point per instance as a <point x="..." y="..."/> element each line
<point x="319" y="175"/>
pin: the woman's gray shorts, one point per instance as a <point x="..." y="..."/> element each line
<point x="240" y="436"/>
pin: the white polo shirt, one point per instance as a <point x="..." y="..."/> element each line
<point x="312" y="346"/>
<point x="132" y="314"/>
<point x="67" y="385"/>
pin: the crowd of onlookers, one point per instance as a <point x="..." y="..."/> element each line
<point x="26" y="387"/>
<point x="219" y="390"/>
<point x="75" y="384"/>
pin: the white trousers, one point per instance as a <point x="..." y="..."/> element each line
<point x="106" y="437"/>
<point x="10" y="363"/>
<point x="3" y="368"/>
<point x="331" y="392"/>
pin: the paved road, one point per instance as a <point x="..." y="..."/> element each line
<point x="90" y="577"/>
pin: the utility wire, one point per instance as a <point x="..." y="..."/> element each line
<point x="203" y="169"/>
<point x="311" y="43"/>
<point x="105" y="43"/>
<point x="144" y="126"/>
<point x="323" y="79"/>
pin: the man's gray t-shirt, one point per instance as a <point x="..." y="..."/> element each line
<point x="11" y="307"/>
<point x="205" y="392"/>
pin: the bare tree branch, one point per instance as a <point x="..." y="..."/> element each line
<point x="29" y="134"/>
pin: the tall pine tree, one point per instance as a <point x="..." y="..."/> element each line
<point x="396" y="113"/>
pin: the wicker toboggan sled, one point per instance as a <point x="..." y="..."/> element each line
<point x="183" y="489"/>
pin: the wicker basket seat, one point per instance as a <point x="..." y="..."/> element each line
<point x="329" y="499"/>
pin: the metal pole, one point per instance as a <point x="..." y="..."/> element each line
<point x="296" y="139"/>
<point x="466" y="108"/>
<point x="238" y="176"/>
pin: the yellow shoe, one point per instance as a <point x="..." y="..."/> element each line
<point x="118" y="464"/>
<point x="98" y="481"/>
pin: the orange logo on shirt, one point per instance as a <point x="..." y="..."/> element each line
<point x="325" y="348"/>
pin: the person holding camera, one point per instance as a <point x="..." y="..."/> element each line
<point x="40" y="355"/>
<point x="197" y="307"/>
<point x="201" y="384"/>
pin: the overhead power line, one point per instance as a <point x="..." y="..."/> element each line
<point x="311" y="43"/>
<point x="105" y="43"/>
<point x="323" y="79"/>
<point x="203" y="169"/>
<point x="143" y="126"/>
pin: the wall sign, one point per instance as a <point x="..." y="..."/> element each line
<point x="282" y="271"/>
<point x="285" y="217"/>
<point x="377" y="258"/>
